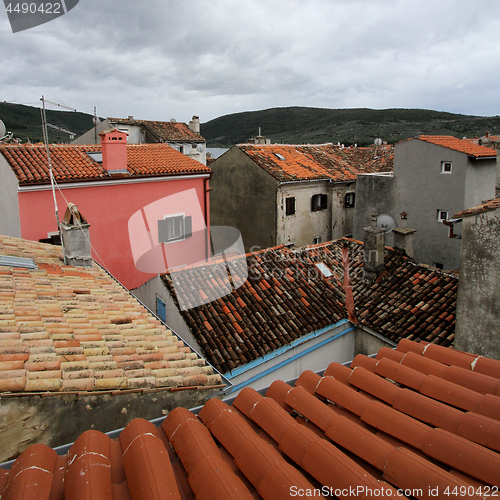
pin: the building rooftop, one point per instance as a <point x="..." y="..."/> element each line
<point x="415" y="419"/>
<point x="479" y="209"/>
<point x="461" y="145"/>
<point x="71" y="163"/>
<point x="75" y="329"/>
<point x="286" y="296"/>
<point x="319" y="161"/>
<point x="163" y="131"/>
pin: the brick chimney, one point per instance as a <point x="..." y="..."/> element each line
<point x="374" y="252"/>
<point x="194" y="125"/>
<point x="114" y="151"/>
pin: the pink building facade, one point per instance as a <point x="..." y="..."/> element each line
<point x="147" y="205"/>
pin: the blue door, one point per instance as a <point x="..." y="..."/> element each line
<point x="160" y="309"/>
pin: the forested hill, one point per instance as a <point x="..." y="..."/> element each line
<point x="299" y="125"/>
<point x="293" y="125"/>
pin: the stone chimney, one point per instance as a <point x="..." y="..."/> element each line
<point x="403" y="240"/>
<point x="114" y="151"/>
<point x="194" y="125"/>
<point x="374" y="252"/>
<point x="75" y="238"/>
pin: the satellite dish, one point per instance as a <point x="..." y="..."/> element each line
<point x="199" y="148"/>
<point x="3" y="130"/>
<point x="378" y="141"/>
<point x="173" y="120"/>
<point x="96" y="120"/>
<point x="386" y="222"/>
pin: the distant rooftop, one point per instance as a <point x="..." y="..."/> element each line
<point x="461" y="145"/>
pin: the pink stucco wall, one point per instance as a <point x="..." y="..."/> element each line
<point x="108" y="210"/>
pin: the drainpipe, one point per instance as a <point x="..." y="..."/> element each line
<point x="205" y="203"/>
<point x="349" y="299"/>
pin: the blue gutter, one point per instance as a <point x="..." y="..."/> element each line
<point x="281" y="351"/>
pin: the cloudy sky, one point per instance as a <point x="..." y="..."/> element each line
<point x="162" y="59"/>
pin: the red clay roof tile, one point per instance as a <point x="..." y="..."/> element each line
<point x="71" y="163"/>
<point x="418" y="443"/>
<point x="460" y="145"/>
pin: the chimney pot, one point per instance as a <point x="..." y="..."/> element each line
<point x="194" y="125"/>
<point x="75" y="238"/>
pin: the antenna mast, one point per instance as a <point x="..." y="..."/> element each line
<point x="46" y="141"/>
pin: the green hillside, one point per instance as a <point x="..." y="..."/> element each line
<point x="294" y="125"/>
<point x="298" y="125"/>
<point x="26" y="123"/>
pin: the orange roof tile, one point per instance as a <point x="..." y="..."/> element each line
<point x="479" y="209"/>
<point x="350" y="437"/>
<point x="76" y="329"/>
<point x="461" y="145"/>
<point x="71" y="163"/>
<point x="164" y="131"/>
<point x="319" y="161"/>
<point x="285" y="297"/>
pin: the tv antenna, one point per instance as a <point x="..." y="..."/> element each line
<point x="4" y="135"/>
<point x="51" y="175"/>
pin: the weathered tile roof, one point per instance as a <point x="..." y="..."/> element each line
<point x="479" y="209"/>
<point x="164" y="131"/>
<point x="423" y="419"/>
<point x="274" y="306"/>
<point x="461" y="145"/>
<point x="407" y="300"/>
<point x="76" y="329"/>
<point x="286" y="297"/>
<point x="71" y="163"/>
<point x="319" y="161"/>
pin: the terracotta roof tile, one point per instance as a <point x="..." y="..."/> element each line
<point x="479" y="209"/>
<point x="262" y="446"/>
<point x="460" y="145"/>
<point x="285" y="298"/>
<point x="73" y="352"/>
<point x="71" y="163"/>
<point x="164" y="131"/>
<point x="323" y="161"/>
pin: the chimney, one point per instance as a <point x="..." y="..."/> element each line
<point x="194" y="125"/>
<point x="75" y="238"/>
<point x="403" y="240"/>
<point x="114" y="151"/>
<point x="374" y="252"/>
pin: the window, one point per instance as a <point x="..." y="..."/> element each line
<point x="446" y="167"/>
<point x="442" y="215"/>
<point x="174" y="228"/>
<point x="181" y="149"/>
<point x="280" y="156"/>
<point x="316" y="240"/>
<point x="438" y="265"/>
<point x="289" y="206"/>
<point x="349" y="200"/>
<point x="319" y="202"/>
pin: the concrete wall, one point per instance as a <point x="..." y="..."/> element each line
<point x="90" y="136"/>
<point x="244" y="196"/>
<point x="287" y="363"/>
<point x="478" y="300"/>
<point x="147" y="294"/>
<point x="420" y="189"/>
<point x="10" y="223"/>
<point x="368" y="343"/>
<point x="374" y="194"/>
<point x="56" y="420"/>
<point x="304" y="225"/>
<point x="109" y="208"/>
